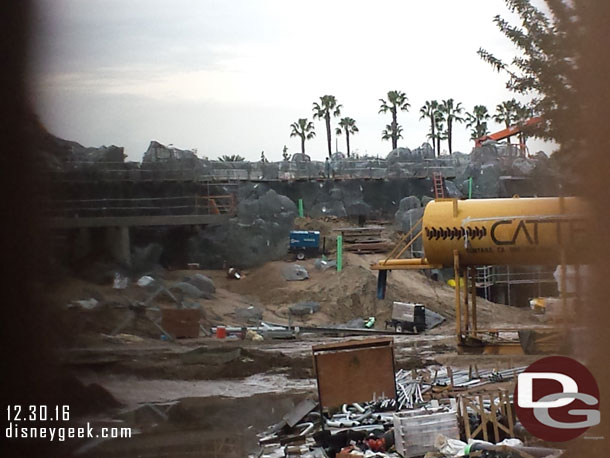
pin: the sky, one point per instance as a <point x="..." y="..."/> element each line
<point x="229" y="77"/>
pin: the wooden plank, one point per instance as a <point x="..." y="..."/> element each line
<point x="355" y="343"/>
<point x="465" y="418"/>
<point x="483" y="418"/>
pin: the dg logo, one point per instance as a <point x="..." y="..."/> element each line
<point x="557" y="399"/>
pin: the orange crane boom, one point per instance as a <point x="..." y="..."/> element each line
<point x="509" y="132"/>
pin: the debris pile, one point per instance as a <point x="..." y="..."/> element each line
<point x="427" y="415"/>
<point x="433" y="410"/>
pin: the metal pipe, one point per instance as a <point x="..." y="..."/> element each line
<point x="458" y="300"/>
<point x="403" y="262"/>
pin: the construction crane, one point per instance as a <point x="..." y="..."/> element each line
<point x="464" y="234"/>
<point x="509" y="132"/>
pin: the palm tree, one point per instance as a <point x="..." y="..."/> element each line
<point x="506" y="113"/>
<point x="396" y="101"/>
<point x="231" y="158"/>
<point x="391" y="133"/>
<point x="477" y="121"/>
<point x="429" y="111"/>
<point x="303" y="129"/>
<point x="439" y="131"/>
<point x="452" y="114"/>
<point x="522" y="114"/>
<point x="349" y="125"/>
<point x="328" y="106"/>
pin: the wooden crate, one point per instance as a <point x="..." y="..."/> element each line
<point x="354" y="371"/>
<point x="415" y="433"/>
<point x="181" y="322"/>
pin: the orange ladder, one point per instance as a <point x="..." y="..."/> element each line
<point x="438" y="183"/>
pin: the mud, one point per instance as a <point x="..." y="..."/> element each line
<point x="203" y="426"/>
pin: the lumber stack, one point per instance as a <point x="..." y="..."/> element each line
<point x="363" y="240"/>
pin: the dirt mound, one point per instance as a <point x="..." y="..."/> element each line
<point x="345" y="295"/>
<point x="414" y="286"/>
<point x="325" y="226"/>
<point x="342" y="296"/>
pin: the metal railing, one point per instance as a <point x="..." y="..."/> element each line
<point x="214" y="171"/>
<point x="148" y="206"/>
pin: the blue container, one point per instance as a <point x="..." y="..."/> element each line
<point x="304" y="239"/>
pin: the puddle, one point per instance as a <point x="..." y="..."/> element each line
<point x="132" y="391"/>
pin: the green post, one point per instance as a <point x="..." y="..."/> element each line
<point x="300" y="208"/>
<point x="470" y="188"/>
<point x="339" y="253"/>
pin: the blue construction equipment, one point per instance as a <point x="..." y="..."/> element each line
<point x="304" y="243"/>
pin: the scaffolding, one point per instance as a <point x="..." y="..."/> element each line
<point x="489" y="276"/>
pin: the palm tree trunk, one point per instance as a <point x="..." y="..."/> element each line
<point x="433" y="130"/>
<point x="347" y="140"/>
<point x="394" y="128"/>
<point x="449" y="134"/>
<point x="303" y="144"/>
<point x="327" y="117"/>
<point x="438" y="144"/>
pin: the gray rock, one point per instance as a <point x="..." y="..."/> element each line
<point x="294" y="272"/>
<point x="304" y="308"/>
<point x="452" y="190"/>
<point x="426" y="200"/>
<point x="357" y="208"/>
<point x="157" y="152"/>
<point x="187" y="290"/>
<point x="331" y="208"/>
<point x="205" y="284"/>
<point x="523" y="167"/>
<point x="146" y="258"/>
<point x="425" y="151"/>
<point x="299" y="157"/>
<point x="269" y="204"/>
<point x="407" y="203"/>
<point x="399" y="155"/>
<point x="250" y="314"/>
<point x="405" y="220"/>
<point x="433" y="319"/>
<point x="324" y="265"/>
<point x="258" y="234"/>
<point x="336" y="194"/>
<point x="102" y="154"/>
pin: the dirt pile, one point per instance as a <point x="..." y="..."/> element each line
<point x="343" y="296"/>
<point x="350" y="293"/>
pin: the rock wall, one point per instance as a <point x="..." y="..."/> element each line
<point x="498" y="170"/>
<point x="259" y="233"/>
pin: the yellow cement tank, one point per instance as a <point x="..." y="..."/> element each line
<point x="515" y="231"/>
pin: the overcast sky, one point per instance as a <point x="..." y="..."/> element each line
<point x="229" y="77"/>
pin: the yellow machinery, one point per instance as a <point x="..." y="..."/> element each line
<point x="464" y="234"/>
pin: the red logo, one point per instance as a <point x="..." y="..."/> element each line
<point x="557" y="399"/>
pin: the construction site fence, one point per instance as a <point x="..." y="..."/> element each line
<point x="159" y="206"/>
<point x="203" y="170"/>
